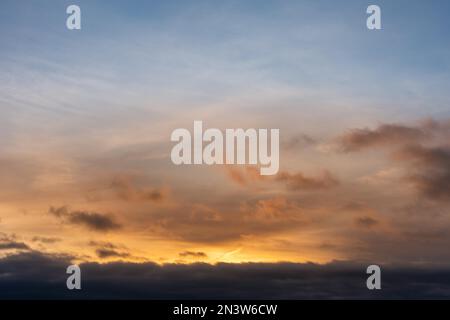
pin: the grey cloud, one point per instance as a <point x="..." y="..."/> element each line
<point x="429" y="170"/>
<point x="37" y="275"/>
<point x="193" y="254"/>
<point x="9" y="245"/>
<point x="91" y="220"/>
<point x="110" y="253"/>
<point x="422" y="149"/>
<point x="45" y="239"/>
<point x="386" y="134"/>
<point x="9" y="242"/>
<point x="102" y="244"/>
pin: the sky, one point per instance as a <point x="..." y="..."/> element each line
<point x="364" y="119"/>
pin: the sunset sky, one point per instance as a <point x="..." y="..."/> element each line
<point x="364" y="119"/>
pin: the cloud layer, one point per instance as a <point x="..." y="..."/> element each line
<point x="35" y="275"/>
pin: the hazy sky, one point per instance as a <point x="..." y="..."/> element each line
<point x="86" y="118"/>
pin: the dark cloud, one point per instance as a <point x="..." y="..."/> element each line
<point x="193" y="254"/>
<point x="59" y="212"/>
<point x="110" y="253"/>
<point x="429" y="170"/>
<point x="9" y="242"/>
<point x="9" y="245"/>
<point x="91" y="220"/>
<point x="103" y="244"/>
<point x="423" y="150"/>
<point x="46" y="240"/>
<point x="94" y="221"/>
<point x="109" y="250"/>
<point x="437" y="157"/>
<point x="366" y="222"/>
<point x="386" y="134"/>
<point x="299" y="181"/>
<point x="37" y="275"/>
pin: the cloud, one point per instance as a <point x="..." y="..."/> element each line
<point x="299" y="181"/>
<point x="272" y="210"/>
<point x="429" y="170"/>
<point x="386" y="134"/>
<point x="422" y="153"/>
<point x="103" y="244"/>
<point x="94" y="221"/>
<point x="126" y="190"/>
<point x="91" y="220"/>
<point x="59" y="212"/>
<point x="45" y="239"/>
<point x="366" y="222"/>
<point x="193" y="254"/>
<point x="36" y="275"/>
<point x="110" y="253"/>
<point x="107" y="250"/>
<point x="9" y="242"/>
<point x="231" y="221"/>
<point x="9" y="245"/>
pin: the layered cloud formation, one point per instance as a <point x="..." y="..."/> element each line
<point x="85" y="170"/>
<point x="122" y="280"/>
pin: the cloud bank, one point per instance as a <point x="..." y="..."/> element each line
<point x="36" y="275"/>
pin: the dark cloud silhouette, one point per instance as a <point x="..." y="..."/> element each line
<point x="429" y="170"/>
<point x="9" y="242"/>
<point x="46" y="240"/>
<point x="103" y="244"/>
<point x="91" y="220"/>
<point x="94" y="221"/>
<point x="386" y="134"/>
<point x="109" y="250"/>
<point x="110" y="253"/>
<point x="299" y="181"/>
<point x="193" y="254"/>
<point x="37" y="275"/>
<point x="9" y="245"/>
